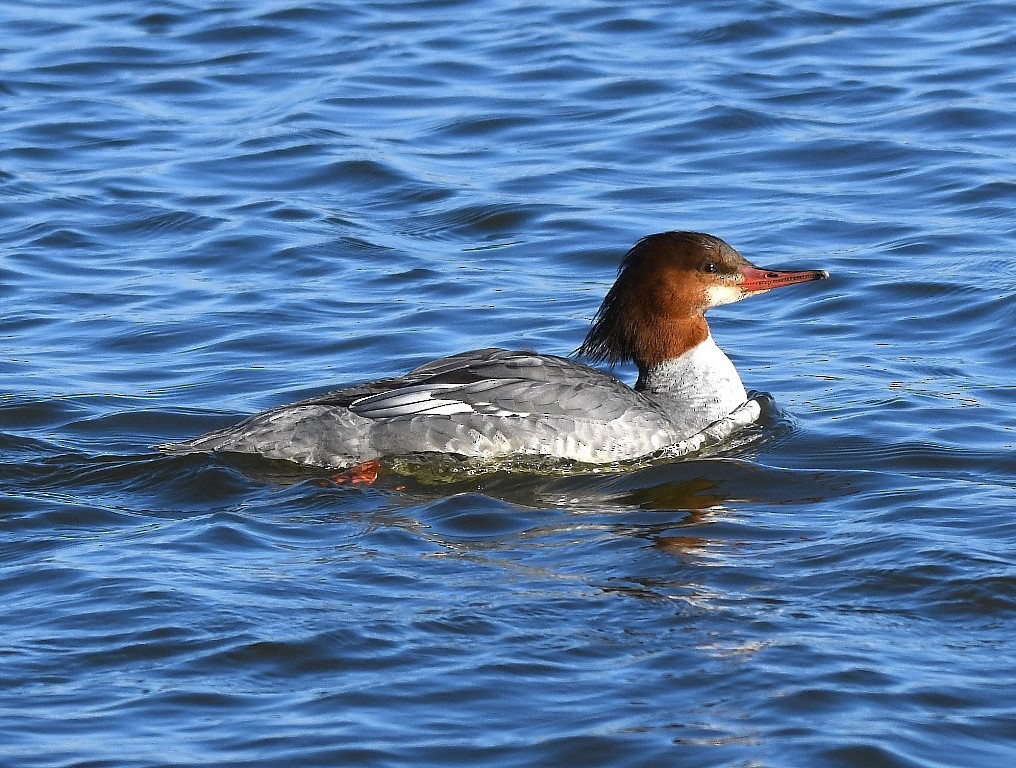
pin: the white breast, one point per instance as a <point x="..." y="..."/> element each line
<point x="702" y="383"/>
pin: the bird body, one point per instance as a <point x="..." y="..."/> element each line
<point x="496" y="403"/>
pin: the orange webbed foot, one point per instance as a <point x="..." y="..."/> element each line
<point x="361" y="474"/>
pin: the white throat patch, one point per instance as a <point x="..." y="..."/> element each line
<point x="725" y="293"/>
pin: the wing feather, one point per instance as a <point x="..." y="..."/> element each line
<point x="492" y="382"/>
<point x="414" y="400"/>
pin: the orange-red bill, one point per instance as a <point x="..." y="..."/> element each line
<point x="756" y="279"/>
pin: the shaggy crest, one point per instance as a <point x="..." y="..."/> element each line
<point x="637" y="319"/>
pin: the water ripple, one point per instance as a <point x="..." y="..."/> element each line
<point x="213" y="210"/>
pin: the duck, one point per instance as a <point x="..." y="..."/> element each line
<point x="498" y="404"/>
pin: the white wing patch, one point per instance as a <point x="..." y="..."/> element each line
<point x="423" y="400"/>
<point x="489" y="409"/>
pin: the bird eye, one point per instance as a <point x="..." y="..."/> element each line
<point x="709" y="267"/>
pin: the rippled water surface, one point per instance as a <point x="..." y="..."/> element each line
<point x="210" y="209"/>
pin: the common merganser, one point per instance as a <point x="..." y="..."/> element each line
<point x="499" y="404"/>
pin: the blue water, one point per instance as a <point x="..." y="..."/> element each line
<point x="210" y="209"/>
